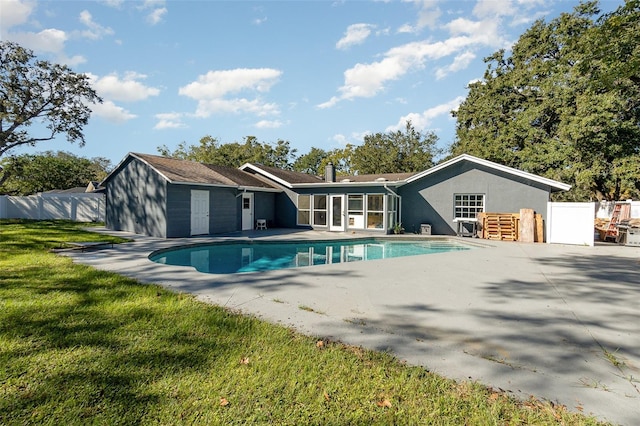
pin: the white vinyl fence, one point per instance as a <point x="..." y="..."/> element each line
<point x="80" y="207"/>
<point x="571" y="223"/>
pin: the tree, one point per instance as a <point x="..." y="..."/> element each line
<point x="395" y="152"/>
<point x="311" y="162"/>
<point x="34" y="90"/>
<point x="211" y="151"/>
<point x="542" y="111"/>
<point x="31" y="173"/>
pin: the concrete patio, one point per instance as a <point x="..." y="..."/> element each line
<point x="558" y="322"/>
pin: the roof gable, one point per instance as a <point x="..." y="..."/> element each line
<point x="554" y="184"/>
<point x="190" y="172"/>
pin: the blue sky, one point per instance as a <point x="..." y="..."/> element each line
<point x="314" y="73"/>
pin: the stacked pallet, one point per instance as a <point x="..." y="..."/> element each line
<point x="499" y="226"/>
<point x="506" y="227"/>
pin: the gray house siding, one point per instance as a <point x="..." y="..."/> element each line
<point x="431" y="199"/>
<point x="136" y="201"/>
<point x="224" y="210"/>
<point x="264" y="207"/>
<point x="285" y="206"/>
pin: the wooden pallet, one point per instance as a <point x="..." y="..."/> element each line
<point x="506" y="226"/>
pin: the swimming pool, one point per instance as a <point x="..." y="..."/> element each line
<point x="254" y="256"/>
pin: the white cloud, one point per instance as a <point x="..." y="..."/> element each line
<point x="428" y="15"/>
<point x="14" y="12"/>
<point x="158" y="10"/>
<point x="493" y="8"/>
<point x="355" y="34"/>
<point x="421" y="121"/>
<point x="126" y="89"/>
<point x="113" y="3"/>
<point x="156" y="16"/>
<point x="206" y="107"/>
<point x="269" y="124"/>
<point x="212" y="89"/>
<point x="111" y="112"/>
<point x="95" y="31"/>
<point x="49" y="41"/>
<point x="169" y="120"/>
<point x="459" y="63"/>
<point x="367" y="80"/>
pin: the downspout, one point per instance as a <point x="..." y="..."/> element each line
<point x="399" y="212"/>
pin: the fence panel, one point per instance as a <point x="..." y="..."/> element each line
<point x="89" y="207"/>
<point x="571" y="223"/>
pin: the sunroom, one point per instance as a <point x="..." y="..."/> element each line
<point x="374" y="209"/>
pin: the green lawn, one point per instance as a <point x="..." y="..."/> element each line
<point x="81" y="346"/>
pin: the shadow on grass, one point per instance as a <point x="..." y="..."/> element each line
<point x="91" y="342"/>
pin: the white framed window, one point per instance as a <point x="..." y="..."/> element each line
<point x="467" y="206"/>
<point x="312" y="210"/>
<point x="304" y="209"/>
<point x="392" y="208"/>
<point x="320" y="210"/>
<point x="375" y="211"/>
<point x="355" y="211"/>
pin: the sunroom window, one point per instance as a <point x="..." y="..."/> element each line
<point x="375" y="211"/>
<point x="304" y="210"/>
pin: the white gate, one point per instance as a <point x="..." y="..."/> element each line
<point x="571" y="223"/>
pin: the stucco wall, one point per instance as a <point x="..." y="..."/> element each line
<point x="136" y="200"/>
<point x="431" y="199"/>
<point x="264" y="206"/>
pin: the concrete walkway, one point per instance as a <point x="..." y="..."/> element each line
<point x="558" y="322"/>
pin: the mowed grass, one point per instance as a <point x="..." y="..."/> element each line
<point x="82" y="346"/>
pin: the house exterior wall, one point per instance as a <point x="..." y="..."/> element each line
<point x="431" y="199"/>
<point x="264" y="207"/>
<point x="136" y="200"/>
<point x="224" y="210"/>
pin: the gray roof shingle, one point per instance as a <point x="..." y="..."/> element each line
<point x="184" y="171"/>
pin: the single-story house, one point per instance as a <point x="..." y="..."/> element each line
<point x="167" y="197"/>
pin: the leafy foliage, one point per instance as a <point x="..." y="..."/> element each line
<point x="395" y="152"/>
<point x="31" y="173"/>
<point x="556" y="108"/>
<point x="33" y="90"/>
<point x="211" y="151"/>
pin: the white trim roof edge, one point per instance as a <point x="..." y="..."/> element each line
<point x="265" y="173"/>
<point x="492" y="165"/>
<point x="338" y="184"/>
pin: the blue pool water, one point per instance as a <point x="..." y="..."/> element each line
<point x="254" y="256"/>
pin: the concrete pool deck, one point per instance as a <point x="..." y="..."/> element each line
<point x="558" y="322"/>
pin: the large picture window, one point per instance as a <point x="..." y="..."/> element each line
<point x="467" y="206"/>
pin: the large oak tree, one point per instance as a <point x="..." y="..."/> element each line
<point x="36" y="91"/>
<point x="562" y="104"/>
